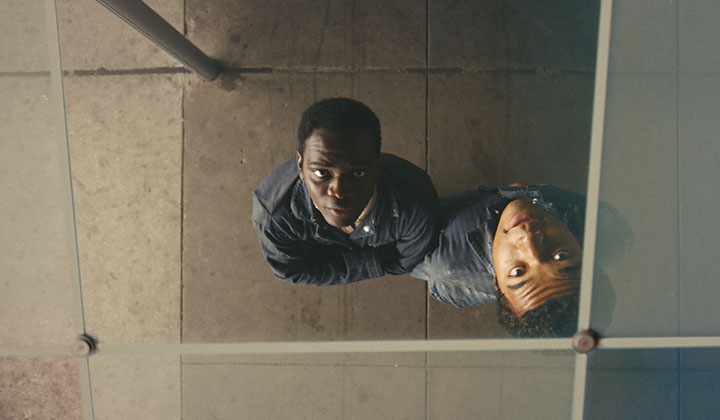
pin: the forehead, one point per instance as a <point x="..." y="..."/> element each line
<point x="333" y="148"/>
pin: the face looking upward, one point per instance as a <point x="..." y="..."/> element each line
<point x="340" y="173"/>
<point x="535" y="255"/>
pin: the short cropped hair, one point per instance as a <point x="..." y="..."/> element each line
<point x="555" y="318"/>
<point x="342" y="116"/>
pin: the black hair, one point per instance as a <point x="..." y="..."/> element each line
<point x="555" y="318"/>
<point x="342" y="116"/>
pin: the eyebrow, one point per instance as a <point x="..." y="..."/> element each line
<point x="328" y="164"/>
<point x="520" y="284"/>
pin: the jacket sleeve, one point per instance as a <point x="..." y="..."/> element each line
<point x="298" y="261"/>
<point x="418" y="232"/>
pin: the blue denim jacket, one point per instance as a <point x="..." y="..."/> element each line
<point x="302" y="248"/>
<point x="460" y="271"/>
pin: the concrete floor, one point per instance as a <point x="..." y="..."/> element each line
<point x="476" y="92"/>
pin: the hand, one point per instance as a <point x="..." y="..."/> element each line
<point x="387" y="254"/>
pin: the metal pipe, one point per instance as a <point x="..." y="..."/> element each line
<point x="144" y="19"/>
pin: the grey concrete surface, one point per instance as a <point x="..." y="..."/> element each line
<point x="507" y="127"/>
<point x="514" y="34"/>
<point x="126" y="147"/>
<point x="131" y="387"/>
<point x="93" y="38"/>
<point x="469" y="392"/>
<point x="236" y="131"/>
<point x="37" y="253"/>
<point x="39" y="388"/>
<point x="306" y="33"/>
<point x="648" y="48"/>
<point x="303" y="392"/>
<point x="24" y="23"/>
<point x="164" y="166"/>
<point x="650" y="205"/>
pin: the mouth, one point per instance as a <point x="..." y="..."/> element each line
<point x="341" y="212"/>
<point x="521" y="218"/>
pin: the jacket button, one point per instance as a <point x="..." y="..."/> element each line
<point x="534" y="200"/>
<point x="366" y="229"/>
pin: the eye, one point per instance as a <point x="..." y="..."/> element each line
<point x="562" y="256"/>
<point x="359" y="173"/>
<point x="517" y="272"/>
<point x="320" y="173"/>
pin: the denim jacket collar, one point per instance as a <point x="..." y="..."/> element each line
<point x="386" y="206"/>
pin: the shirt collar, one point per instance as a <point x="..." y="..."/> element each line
<point x="349" y="229"/>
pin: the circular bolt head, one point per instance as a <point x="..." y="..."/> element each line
<point x="84" y="346"/>
<point x="584" y="341"/>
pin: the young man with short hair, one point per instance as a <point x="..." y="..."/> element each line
<point x="341" y="211"/>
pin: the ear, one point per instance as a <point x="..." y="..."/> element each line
<point x="299" y="159"/>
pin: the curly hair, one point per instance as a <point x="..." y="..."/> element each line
<point x="555" y="318"/>
<point x="341" y="116"/>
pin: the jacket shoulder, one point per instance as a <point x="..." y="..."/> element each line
<point x="406" y="177"/>
<point x="277" y="185"/>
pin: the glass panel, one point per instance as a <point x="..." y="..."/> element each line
<point x="657" y="384"/>
<point x="37" y="245"/>
<point x="439" y="386"/>
<point x="39" y="388"/>
<point x="657" y="227"/>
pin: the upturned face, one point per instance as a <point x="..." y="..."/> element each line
<point x="535" y="255"/>
<point x="340" y="173"/>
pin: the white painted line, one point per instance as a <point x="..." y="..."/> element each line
<point x="595" y="165"/>
<point x="57" y="93"/>
<point x="658" y="342"/>
<point x="318" y="347"/>
<point x="578" y="405"/>
<point x="593" y="197"/>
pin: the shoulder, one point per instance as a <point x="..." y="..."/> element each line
<point x="405" y="179"/>
<point x="274" y="191"/>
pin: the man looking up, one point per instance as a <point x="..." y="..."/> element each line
<point x="517" y="245"/>
<point x="341" y="211"/>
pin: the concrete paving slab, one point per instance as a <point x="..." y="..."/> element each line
<point x="698" y="153"/>
<point x="306" y="33"/>
<point x="499" y="393"/>
<point x="37" y="243"/>
<point x="24" y="29"/>
<point x="134" y="387"/>
<point x="94" y="38"/>
<point x="447" y="321"/>
<point x="636" y="176"/>
<point x="698" y="34"/>
<point x="126" y="144"/>
<point x="303" y="392"/>
<point x="518" y="34"/>
<point x="631" y="394"/>
<point x="487" y="129"/>
<point x="41" y="388"/>
<point x="236" y="130"/>
<point x="698" y="394"/>
<point x="503" y="359"/>
<point x="644" y="37"/>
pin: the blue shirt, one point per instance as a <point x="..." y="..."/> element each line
<point x="302" y="248"/>
<point x="460" y="271"/>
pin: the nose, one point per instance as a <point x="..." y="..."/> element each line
<point x="532" y="243"/>
<point x="338" y="188"/>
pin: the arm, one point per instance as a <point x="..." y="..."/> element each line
<point x="307" y="262"/>
<point x="418" y="236"/>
